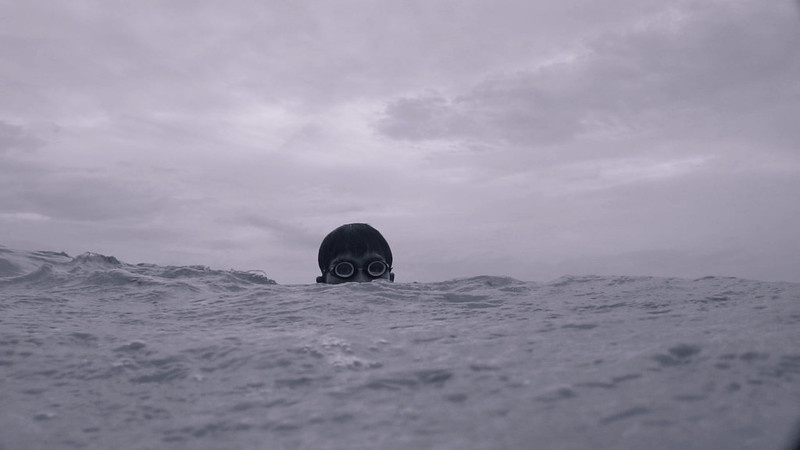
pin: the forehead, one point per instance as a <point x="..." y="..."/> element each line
<point x="349" y="256"/>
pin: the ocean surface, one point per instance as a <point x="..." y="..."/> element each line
<point x="99" y="354"/>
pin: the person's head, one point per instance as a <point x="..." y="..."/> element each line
<point x="354" y="252"/>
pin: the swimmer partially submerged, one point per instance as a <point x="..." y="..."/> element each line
<point x="354" y="252"/>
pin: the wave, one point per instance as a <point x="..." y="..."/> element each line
<point x="94" y="270"/>
<point x="94" y="350"/>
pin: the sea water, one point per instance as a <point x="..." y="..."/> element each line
<point x="99" y="354"/>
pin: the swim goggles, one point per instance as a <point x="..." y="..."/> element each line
<point x="346" y="269"/>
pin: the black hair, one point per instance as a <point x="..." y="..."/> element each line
<point x="354" y="238"/>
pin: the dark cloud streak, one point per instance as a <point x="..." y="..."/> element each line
<point x="74" y="196"/>
<point x="13" y="137"/>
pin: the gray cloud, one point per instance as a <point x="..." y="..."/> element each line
<point x="711" y="72"/>
<point x="203" y="56"/>
<point x="288" y="233"/>
<point x="515" y="138"/>
<point x="14" y="137"/>
<point x="72" y="196"/>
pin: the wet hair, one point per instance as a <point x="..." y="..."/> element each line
<point x="354" y="238"/>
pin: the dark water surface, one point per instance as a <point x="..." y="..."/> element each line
<point x="99" y="354"/>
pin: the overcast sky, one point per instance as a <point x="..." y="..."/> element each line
<point x="517" y="138"/>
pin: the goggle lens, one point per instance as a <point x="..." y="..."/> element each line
<point x="346" y="269"/>
<point x="376" y="268"/>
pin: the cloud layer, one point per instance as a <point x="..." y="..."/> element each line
<point x="529" y="140"/>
